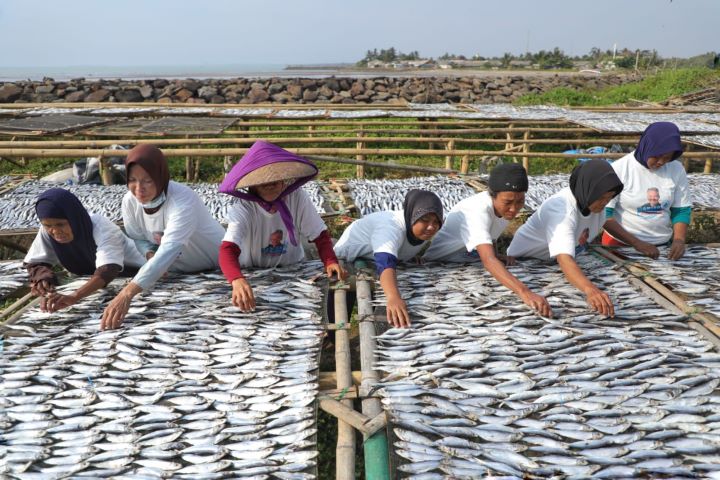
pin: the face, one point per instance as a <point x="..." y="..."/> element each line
<point x="508" y="204"/>
<point x="276" y="239"/>
<point x="270" y="191"/>
<point x="58" y="228"/>
<point x="654" y="163"/>
<point x="426" y="227"/>
<point x="599" y="205"/>
<point x="141" y="184"/>
<point x="653" y="197"/>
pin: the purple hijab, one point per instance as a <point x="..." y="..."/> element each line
<point x="658" y="139"/>
<point x="78" y="256"/>
<point x="260" y="155"/>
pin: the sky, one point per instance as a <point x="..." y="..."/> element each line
<point x="220" y="32"/>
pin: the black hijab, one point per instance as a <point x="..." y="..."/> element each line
<point x="591" y="180"/>
<point x="78" y="256"/>
<point x="416" y="204"/>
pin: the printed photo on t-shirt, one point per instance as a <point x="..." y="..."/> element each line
<point x="653" y="205"/>
<point x="276" y="247"/>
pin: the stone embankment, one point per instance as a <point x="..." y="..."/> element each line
<point x="340" y="90"/>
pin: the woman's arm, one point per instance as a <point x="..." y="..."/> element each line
<point x="677" y="249"/>
<point x="497" y="269"/>
<point x="102" y="276"/>
<point x="596" y="298"/>
<point x="614" y="228"/>
<point x="397" y="314"/>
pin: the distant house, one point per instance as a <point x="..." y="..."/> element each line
<point x="422" y="63"/>
<point x="467" y="63"/>
<point x="520" y="63"/>
<point x="376" y="64"/>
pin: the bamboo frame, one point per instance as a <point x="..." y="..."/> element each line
<point x="345" y="450"/>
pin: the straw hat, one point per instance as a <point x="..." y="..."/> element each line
<point x="276" y="172"/>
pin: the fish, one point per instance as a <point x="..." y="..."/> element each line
<point x="70" y="406"/>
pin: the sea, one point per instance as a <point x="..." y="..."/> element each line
<point x="134" y="72"/>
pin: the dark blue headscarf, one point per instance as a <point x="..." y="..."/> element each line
<point x="78" y="256"/>
<point x="658" y="139"/>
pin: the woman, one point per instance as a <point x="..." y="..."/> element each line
<point x="263" y="226"/>
<point x="655" y="204"/>
<point x="83" y="244"/>
<point x="171" y="227"/>
<point x="389" y="237"/>
<point x="475" y="223"/>
<point x="564" y="224"/>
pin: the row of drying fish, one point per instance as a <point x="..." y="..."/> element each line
<point x="17" y="208"/>
<point x="188" y="387"/>
<point x="377" y="195"/>
<point x="480" y="385"/>
<point x="696" y="275"/>
<point x="703" y="189"/>
<point x="12" y="277"/>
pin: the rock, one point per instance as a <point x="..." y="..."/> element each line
<point x="282" y="97"/>
<point x="207" y="92"/>
<point x="183" y="95"/>
<point x="73" y="97"/>
<point x="165" y="100"/>
<point x="361" y="98"/>
<point x="356" y="89"/>
<point x="128" y="96"/>
<point x="44" y="88"/>
<point x="332" y="84"/>
<point x="146" y="91"/>
<point x="275" y="88"/>
<point x="195" y="100"/>
<point x="381" y="96"/>
<point x="10" y="92"/>
<point x="295" y="91"/>
<point x="326" y="92"/>
<point x="345" y="94"/>
<point x="507" y="91"/>
<point x="257" y="95"/>
<point x="191" y="85"/>
<point x="310" y="95"/>
<point x="100" y="95"/>
<point x="337" y="99"/>
<point x="217" y="99"/>
<point x="160" y="83"/>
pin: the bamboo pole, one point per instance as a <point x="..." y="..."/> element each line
<point x="15" y="305"/>
<point x="161" y="142"/>
<point x="189" y="169"/>
<point x="213" y="152"/>
<point x="708" y="166"/>
<point x="465" y="164"/>
<point x="526" y="149"/>
<point x="377" y="465"/>
<point x="449" y="159"/>
<point x="345" y="450"/>
<point x="368" y="426"/>
<point x="360" y="145"/>
<point x="424" y="132"/>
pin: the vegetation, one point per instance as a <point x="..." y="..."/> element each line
<point x="387" y="56"/>
<point x="653" y="88"/>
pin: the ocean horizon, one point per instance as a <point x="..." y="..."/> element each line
<point x="135" y="72"/>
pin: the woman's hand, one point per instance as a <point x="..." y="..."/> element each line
<point x="647" y="249"/>
<point x="507" y="260"/>
<point x="537" y="303"/>
<point x="677" y="249"/>
<point x="600" y="302"/>
<point x="55" y="302"/>
<point x="42" y="288"/>
<point x="149" y="255"/>
<point x="242" y="295"/>
<point x="336" y="269"/>
<point x="397" y="314"/>
<point x="115" y="312"/>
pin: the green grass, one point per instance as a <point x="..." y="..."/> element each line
<point x="653" y="88"/>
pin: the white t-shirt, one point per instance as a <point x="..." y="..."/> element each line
<point x="262" y="236"/>
<point x="643" y="207"/>
<point x="379" y="232"/>
<point x="183" y="219"/>
<point x="556" y="227"/>
<point x="113" y="247"/>
<point x="470" y="223"/>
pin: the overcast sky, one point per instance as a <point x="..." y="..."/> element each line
<point x="219" y="32"/>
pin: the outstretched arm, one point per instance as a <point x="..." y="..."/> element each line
<point x="614" y="228"/>
<point x="497" y="269"/>
<point x="596" y="298"/>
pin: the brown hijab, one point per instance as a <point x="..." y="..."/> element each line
<point x="150" y="158"/>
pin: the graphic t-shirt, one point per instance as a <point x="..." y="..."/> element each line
<point x="643" y="207"/>
<point x="262" y="236"/>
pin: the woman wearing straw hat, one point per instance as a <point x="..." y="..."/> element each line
<point x="273" y="212"/>
<point x="170" y="224"/>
